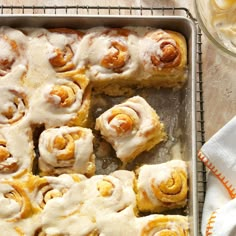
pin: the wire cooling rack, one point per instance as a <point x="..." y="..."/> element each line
<point x="155" y="11"/>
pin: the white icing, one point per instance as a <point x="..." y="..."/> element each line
<point x="222" y="21"/>
<point x="56" y="184"/>
<point x="85" y="209"/>
<point x="6" y="50"/>
<point x="20" y="148"/>
<point x="11" y="207"/>
<point x="9" y="96"/>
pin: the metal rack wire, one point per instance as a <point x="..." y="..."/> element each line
<point x="155" y="11"/>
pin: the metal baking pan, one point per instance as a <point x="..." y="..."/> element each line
<point x="176" y="108"/>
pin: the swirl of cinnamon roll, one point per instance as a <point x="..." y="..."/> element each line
<point x="13" y="105"/>
<point x="131" y="128"/>
<point x="63" y="217"/>
<point x="66" y="101"/>
<point x="8" y="54"/>
<point x="63" y="43"/>
<point x="8" y="164"/>
<point x="96" y="196"/>
<point x="117" y="54"/>
<point x="109" y="54"/>
<point x="107" y="193"/>
<point x="65" y="94"/>
<point x="16" y="202"/>
<point x="66" y="150"/>
<point x="13" y="45"/>
<point x="164" y="225"/>
<point x="163" y="54"/>
<point x="162" y="186"/>
<point x="170" y="55"/>
<point x="46" y="188"/>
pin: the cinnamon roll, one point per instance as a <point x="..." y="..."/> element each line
<point x="46" y="188"/>
<point x="163" y="54"/>
<point x="14" y="105"/>
<point x="16" y="152"/>
<point x="164" y="225"/>
<point x="66" y="150"/>
<point x="63" y="46"/>
<point x="162" y="187"/>
<point x="63" y="101"/>
<point x="110" y="56"/>
<point x="13" y="197"/>
<point x="110" y="193"/>
<point x="131" y="128"/>
<point x="13" y="45"/>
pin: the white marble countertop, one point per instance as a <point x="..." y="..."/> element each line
<point x="219" y="83"/>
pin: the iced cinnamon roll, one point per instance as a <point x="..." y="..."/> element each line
<point x="13" y="197"/>
<point x="14" y="104"/>
<point x="16" y="152"/>
<point x="164" y="225"/>
<point x="13" y="45"/>
<point x="163" y="54"/>
<point x="131" y="128"/>
<point x="162" y="186"/>
<point x="43" y="189"/>
<point x="63" y="43"/>
<point x="110" y="193"/>
<point x="110" y="56"/>
<point x="62" y="101"/>
<point x="66" y="150"/>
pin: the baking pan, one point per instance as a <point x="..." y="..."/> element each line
<point x="176" y="108"/>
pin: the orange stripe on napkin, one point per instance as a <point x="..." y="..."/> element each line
<point x="218" y="174"/>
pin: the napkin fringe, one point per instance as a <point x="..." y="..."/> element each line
<point x="231" y="190"/>
<point x="210" y="223"/>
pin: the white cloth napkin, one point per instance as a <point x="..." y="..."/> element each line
<point x="219" y="156"/>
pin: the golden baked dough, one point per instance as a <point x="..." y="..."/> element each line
<point x="61" y="57"/>
<point x="163" y="54"/>
<point x="7" y="60"/>
<point x="164" y="225"/>
<point x="109" y="56"/>
<point x="131" y="128"/>
<point x="13" y="50"/>
<point x="66" y="150"/>
<point x="17" y="202"/>
<point x="43" y="189"/>
<point x="5" y="155"/>
<point x="64" y="100"/>
<point x="71" y="94"/>
<point x="16" y="152"/>
<point x="162" y="186"/>
<point x="13" y="105"/>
